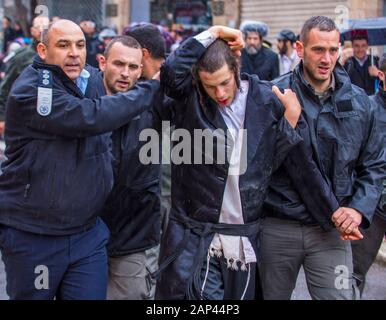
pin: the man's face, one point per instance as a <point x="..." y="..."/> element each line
<point x="66" y="48"/>
<point x="282" y="47"/>
<point x="360" y="48"/>
<point x="88" y="27"/>
<point x="219" y="85"/>
<point x="6" y="23"/>
<point x="253" y="42"/>
<point x="319" y="53"/>
<point x="38" y="25"/>
<point x="122" y="68"/>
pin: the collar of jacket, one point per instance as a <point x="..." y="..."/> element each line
<point x="210" y="107"/>
<point x="101" y="77"/>
<point x="38" y="63"/>
<point x="343" y="90"/>
<point x="252" y="118"/>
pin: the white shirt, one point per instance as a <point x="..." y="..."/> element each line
<point x="362" y="61"/>
<point x="288" y="63"/>
<point x="234" y="248"/>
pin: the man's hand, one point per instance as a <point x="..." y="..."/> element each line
<point x="2" y="127"/>
<point x="233" y="37"/>
<point x="291" y="105"/>
<point x="346" y="220"/>
<point x="374" y="71"/>
<point x="354" y="235"/>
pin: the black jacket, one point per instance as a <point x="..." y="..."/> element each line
<point x="360" y="75"/>
<point x="58" y="170"/>
<point x="132" y="210"/>
<point x="347" y="148"/>
<point x="265" y="64"/>
<point x="379" y="105"/>
<point x="198" y="189"/>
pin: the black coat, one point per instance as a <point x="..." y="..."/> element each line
<point x="360" y="75"/>
<point x="58" y="170"/>
<point x="197" y="190"/>
<point x="132" y="210"/>
<point x="347" y="147"/>
<point x="265" y="64"/>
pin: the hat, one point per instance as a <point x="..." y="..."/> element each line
<point x="107" y="33"/>
<point x="358" y="34"/>
<point x="286" y="34"/>
<point x="254" y="26"/>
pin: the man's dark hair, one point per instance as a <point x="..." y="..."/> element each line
<point x="150" y="38"/>
<point x="125" y="40"/>
<point x="321" y="23"/>
<point x="215" y="57"/>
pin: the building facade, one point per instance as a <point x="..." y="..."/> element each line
<point x="291" y="14"/>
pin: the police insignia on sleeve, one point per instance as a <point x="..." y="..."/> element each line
<point x="44" y="101"/>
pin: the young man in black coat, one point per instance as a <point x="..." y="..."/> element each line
<point x="210" y="247"/>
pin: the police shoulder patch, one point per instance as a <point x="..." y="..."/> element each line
<point x="44" y="101"/>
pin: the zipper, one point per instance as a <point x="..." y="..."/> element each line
<point x="26" y="190"/>
<point x="53" y="187"/>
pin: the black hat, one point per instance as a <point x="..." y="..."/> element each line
<point x="254" y="26"/>
<point x="286" y="35"/>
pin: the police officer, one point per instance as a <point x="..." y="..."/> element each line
<point x="349" y="155"/>
<point x="58" y="172"/>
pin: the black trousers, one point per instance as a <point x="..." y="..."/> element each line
<point x="365" y="251"/>
<point x="222" y="283"/>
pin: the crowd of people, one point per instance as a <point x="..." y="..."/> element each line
<point x="302" y="183"/>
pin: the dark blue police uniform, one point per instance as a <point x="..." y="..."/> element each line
<point x="55" y="180"/>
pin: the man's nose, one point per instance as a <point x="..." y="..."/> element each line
<point x="220" y="92"/>
<point x="125" y="72"/>
<point x="74" y="51"/>
<point x="326" y="57"/>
